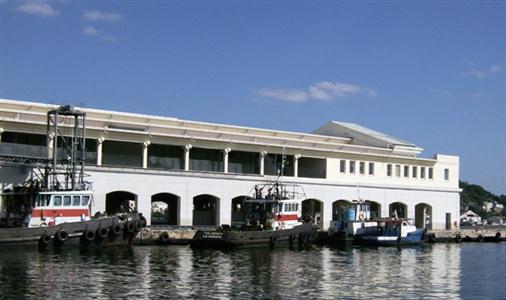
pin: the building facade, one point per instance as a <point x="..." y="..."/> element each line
<point x="196" y="173"/>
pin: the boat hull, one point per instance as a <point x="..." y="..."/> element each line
<point x="96" y="233"/>
<point x="299" y="235"/>
<point x="412" y="238"/>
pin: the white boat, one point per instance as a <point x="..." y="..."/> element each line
<point x="392" y="232"/>
<point x="355" y="220"/>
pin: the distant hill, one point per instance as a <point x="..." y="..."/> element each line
<point x="474" y="196"/>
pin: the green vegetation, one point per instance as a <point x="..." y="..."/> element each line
<point x="473" y="196"/>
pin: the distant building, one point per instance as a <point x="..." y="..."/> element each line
<point x="470" y="217"/>
<point x="492" y="207"/>
<point x="203" y="171"/>
<point x="488" y="206"/>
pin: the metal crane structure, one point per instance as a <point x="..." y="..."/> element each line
<point x="66" y="132"/>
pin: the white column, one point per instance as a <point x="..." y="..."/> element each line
<point x="262" y="162"/>
<point x="1" y="131"/>
<point x="226" y="151"/>
<point x="145" y="146"/>
<point x="100" y="141"/>
<point x="296" y="165"/>
<point x="187" y="157"/>
<point x="50" y="145"/>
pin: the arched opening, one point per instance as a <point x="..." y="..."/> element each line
<point x="239" y="211"/>
<point x="206" y="210"/>
<point x="313" y="209"/>
<point x="398" y="209"/>
<point x="423" y="216"/>
<point x="338" y="208"/>
<point x="120" y="202"/>
<point x="375" y="209"/>
<point x="165" y="209"/>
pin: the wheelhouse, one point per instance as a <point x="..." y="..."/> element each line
<point x="53" y="208"/>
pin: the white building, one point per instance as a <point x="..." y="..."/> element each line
<point x="471" y="217"/>
<point x="203" y="171"/>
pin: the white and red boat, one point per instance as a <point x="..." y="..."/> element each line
<point x="274" y="217"/>
<point x="58" y="218"/>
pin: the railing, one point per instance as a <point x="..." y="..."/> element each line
<point x="23" y="150"/>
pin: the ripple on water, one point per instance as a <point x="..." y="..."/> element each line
<point x="447" y="271"/>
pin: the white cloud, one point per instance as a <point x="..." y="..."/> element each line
<point x="477" y="95"/>
<point x="289" y="95"/>
<point x="483" y="73"/>
<point x="94" y="32"/>
<point x="40" y="9"/>
<point x="96" y="15"/>
<point x="91" y="31"/>
<point x="323" y="91"/>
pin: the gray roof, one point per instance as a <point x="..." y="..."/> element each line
<point x="361" y="135"/>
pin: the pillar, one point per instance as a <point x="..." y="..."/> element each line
<point x="226" y="151"/>
<point x="187" y="157"/>
<point x="100" y="141"/>
<point x="327" y="214"/>
<point x="262" y="162"/>
<point x="50" y="145"/>
<point x="1" y="131"/>
<point x="296" y="165"/>
<point x="145" y="146"/>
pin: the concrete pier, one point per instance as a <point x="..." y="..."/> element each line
<point x="469" y="234"/>
<point x="165" y="235"/>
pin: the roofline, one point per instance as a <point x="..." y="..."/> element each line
<point x="48" y="105"/>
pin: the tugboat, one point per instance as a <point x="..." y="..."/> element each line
<point x="274" y="218"/>
<point x="57" y="209"/>
<point x="355" y="220"/>
<point x="392" y="232"/>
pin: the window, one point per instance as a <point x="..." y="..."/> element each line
<point x="57" y="200"/>
<point x="406" y="171"/>
<point x="43" y="200"/>
<point x="398" y="170"/>
<point x="447" y="174"/>
<point x="352" y="167"/>
<point x="415" y="172"/>
<point x="361" y="167"/>
<point x="389" y="170"/>
<point x="342" y="166"/>
<point x="66" y="200"/>
<point x="85" y="200"/>
<point x="76" y="200"/>
<point x="371" y="168"/>
<point x="431" y="173"/>
<point x="422" y="172"/>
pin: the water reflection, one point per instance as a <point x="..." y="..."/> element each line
<point x="438" y="271"/>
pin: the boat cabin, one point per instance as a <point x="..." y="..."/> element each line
<point x="395" y="227"/>
<point x="53" y="208"/>
<point x="275" y="206"/>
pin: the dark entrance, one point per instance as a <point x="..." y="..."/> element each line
<point x="120" y="202"/>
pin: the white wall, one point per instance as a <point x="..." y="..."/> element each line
<point x="226" y="187"/>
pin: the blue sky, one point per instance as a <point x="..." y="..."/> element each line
<point x="432" y="73"/>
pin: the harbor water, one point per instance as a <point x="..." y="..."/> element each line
<point x="444" y="271"/>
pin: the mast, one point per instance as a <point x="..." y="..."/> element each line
<point x="65" y="170"/>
